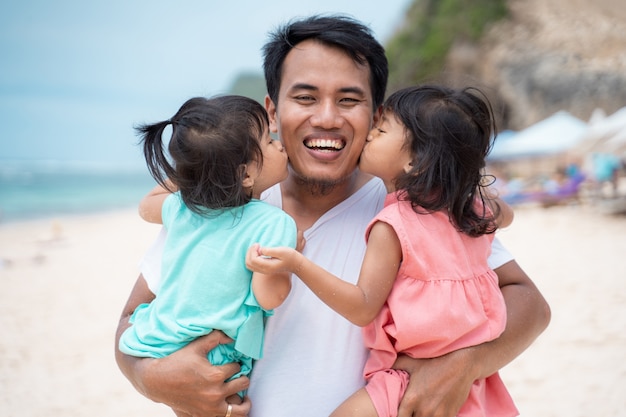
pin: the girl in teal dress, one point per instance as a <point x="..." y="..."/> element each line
<point x="220" y="158"/>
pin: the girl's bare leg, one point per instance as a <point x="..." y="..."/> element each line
<point x="358" y="404"/>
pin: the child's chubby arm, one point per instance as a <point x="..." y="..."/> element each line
<point x="271" y="287"/>
<point x="271" y="290"/>
<point x="358" y="303"/>
<point x="150" y="206"/>
<point x="504" y="212"/>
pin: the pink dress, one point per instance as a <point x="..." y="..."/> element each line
<point x="445" y="297"/>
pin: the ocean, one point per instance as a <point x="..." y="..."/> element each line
<point x="41" y="189"/>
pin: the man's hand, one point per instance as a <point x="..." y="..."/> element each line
<point x="438" y="387"/>
<point x="188" y="383"/>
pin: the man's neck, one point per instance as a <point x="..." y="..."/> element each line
<point x="306" y="202"/>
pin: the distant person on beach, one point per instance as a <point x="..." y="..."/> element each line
<point x="605" y="168"/>
<point x="326" y="78"/>
<point x="425" y="288"/>
<point x="222" y="158"/>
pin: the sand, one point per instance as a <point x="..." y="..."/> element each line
<point x="64" y="282"/>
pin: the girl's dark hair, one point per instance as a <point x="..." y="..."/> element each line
<point x="449" y="133"/>
<point x="212" y="139"/>
<point x="339" y="31"/>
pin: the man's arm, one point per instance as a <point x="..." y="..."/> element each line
<point x="438" y="387"/>
<point x="184" y="380"/>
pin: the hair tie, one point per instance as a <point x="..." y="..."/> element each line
<point x="177" y="122"/>
<point x="486" y="180"/>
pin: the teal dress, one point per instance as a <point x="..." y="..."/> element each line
<point x="206" y="285"/>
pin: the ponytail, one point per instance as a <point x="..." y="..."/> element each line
<point x="152" y="139"/>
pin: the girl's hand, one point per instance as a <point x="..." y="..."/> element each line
<point x="271" y="260"/>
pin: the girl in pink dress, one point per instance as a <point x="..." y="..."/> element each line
<point x="425" y="288"/>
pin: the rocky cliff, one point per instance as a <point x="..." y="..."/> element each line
<point x="546" y="56"/>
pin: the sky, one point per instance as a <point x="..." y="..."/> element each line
<point x="76" y="76"/>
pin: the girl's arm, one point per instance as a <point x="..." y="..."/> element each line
<point x="506" y="214"/>
<point x="271" y="290"/>
<point x="150" y="206"/>
<point x="358" y="303"/>
<point x="495" y="203"/>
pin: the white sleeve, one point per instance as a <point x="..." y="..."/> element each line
<point x="150" y="264"/>
<point x="499" y="255"/>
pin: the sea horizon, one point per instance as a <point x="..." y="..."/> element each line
<point x="39" y="189"/>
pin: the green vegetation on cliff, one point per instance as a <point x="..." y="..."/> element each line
<point x="250" y="84"/>
<point x="418" y="50"/>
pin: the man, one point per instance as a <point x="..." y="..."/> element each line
<point x="326" y="79"/>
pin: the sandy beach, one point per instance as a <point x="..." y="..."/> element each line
<point x="65" y="281"/>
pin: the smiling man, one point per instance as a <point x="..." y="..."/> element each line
<point x="323" y="112"/>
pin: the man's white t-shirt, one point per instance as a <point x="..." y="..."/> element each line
<point x="313" y="358"/>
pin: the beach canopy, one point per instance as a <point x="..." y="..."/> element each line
<point x="606" y="134"/>
<point x="555" y="134"/>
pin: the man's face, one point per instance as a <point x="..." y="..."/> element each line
<point x="324" y="112"/>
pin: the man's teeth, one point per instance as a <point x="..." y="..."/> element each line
<point x="324" y="143"/>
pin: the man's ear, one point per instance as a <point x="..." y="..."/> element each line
<point x="377" y="114"/>
<point x="270" y="107"/>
